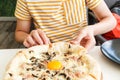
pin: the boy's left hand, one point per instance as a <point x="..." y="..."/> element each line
<point x="85" y="38"/>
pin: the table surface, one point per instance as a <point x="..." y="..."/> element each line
<point x="110" y="70"/>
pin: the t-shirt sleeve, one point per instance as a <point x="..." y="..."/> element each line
<point x="92" y="3"/>
<point x="21" y="11"/>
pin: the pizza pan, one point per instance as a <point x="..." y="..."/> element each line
<point x="111" y="49"/>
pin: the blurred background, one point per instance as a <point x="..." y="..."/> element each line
<point x="7" y="7"/>
<point x="8" y="25"/>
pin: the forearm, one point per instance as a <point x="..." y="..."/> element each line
<point x="22" y="30"/>
<point x="106" y="20"/>
<point x="20" y="36"/>
<point x="104" y="25"/>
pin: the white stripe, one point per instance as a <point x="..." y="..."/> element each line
<point x="82" y="15"/>
<point x="69" y="12"/>
<point x="46" y="15"/>
<point x="75" y="11"/>
<point x="45" y="21"/>
<point x="44" y="7"/>
<point x="59" y="18"/>
<point x="43" y="11"/>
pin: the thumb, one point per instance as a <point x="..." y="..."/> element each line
<point x="78" y="39"/>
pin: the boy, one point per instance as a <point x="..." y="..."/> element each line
<point x="61" y="20"/>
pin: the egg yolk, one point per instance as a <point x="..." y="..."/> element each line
<point x="54" y="65"/>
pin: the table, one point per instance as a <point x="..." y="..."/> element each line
<point x="110" y="70"/>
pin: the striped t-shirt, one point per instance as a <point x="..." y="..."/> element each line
<point x="59" y="19"/>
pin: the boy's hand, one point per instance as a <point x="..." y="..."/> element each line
<point x="85" y="38"/>
<point x="36" y="37"/>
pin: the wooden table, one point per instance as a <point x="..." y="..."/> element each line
<point x="110" y="70"/>
<point x="7" y="33"/>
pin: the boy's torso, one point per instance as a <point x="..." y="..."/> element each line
<point x="59" y="19"/>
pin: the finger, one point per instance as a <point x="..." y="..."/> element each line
<point x="26" y="44"/>
<point x="43" y="36"/>
<point x="90" y="43"/>
<point x="78" y="39"/>
<point x="37" y="37"/>
<point x="31" y="41"/>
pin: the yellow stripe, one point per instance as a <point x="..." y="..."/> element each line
<point x="65" y="11"/>
<point x="21" y="2"/>
<point x="75" y="12"/>
<point x="95" y="4"/>
<point x="43" y="1"/>
<point x="21" y="12"/>
<point x="61" y="13"/>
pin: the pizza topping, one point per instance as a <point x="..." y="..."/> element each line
<point x="28" y="69"/>
<point x="53" y="54"/>
<point x="68" y="78"/>
<point x="23" y="78"/>
<point x="32" y="58"/>
<point x="54" y="73"/>
<point x="69" y="46"/>
<point x="48" y="71"/>
<point x="63" y="74"/>
<point x="92" y="76"/>
<point x="31" y="51"/>
<point x="67" y="54"/>
<point x="20" y="52"/>
<point x="34" y="75"/>
<point x="54" y="65"/>
<point x="10" y="74"/>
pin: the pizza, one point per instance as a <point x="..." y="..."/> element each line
<point x="56" y="61"/>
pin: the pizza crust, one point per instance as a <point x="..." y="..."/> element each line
<point x="93" y="68"/>
<point x="12" y="67"/>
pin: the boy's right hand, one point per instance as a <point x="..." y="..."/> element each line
<point x="36" y="37"/>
